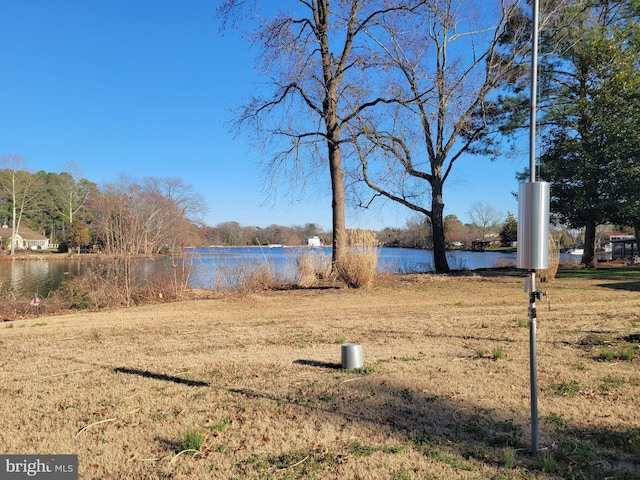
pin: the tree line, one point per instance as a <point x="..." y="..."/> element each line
<point x="156" y="215"/>
<point x="164" y="215"/>
<point x="126" y="216"/>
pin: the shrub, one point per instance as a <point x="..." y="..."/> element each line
<point x="357" y="267"/>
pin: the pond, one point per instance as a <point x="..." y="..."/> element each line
<point x="24" y="278"/>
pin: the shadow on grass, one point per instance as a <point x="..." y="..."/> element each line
<point x="317" y="363"/>
<point x="456" y="432"/>
<point x="160" y="376"/>
<point x="607" y="273"/>
<point x="629" y="286"/>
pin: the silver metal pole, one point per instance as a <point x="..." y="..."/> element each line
<point x="532" y="282"/>
<point x="533" y="366"/>
<point x="534" y="94"/>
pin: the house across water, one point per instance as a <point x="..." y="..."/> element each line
<point x="25" y="239"/>
<point x="313" y="241"/>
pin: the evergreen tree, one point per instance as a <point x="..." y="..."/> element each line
<point x="588" y="111"/>
<point x="509" y="231"/>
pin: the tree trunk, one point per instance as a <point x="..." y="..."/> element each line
<point x="337" y="202"/>
<point x="589" y="244"/>
<point x="437" y="224"/>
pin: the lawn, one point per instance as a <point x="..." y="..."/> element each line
<point x="250" y="386"/>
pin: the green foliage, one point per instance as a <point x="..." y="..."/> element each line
<point x="547" y="461"/>
<point x="358" y="449"/>
<point x="627" y="353"/>
<point x="498" y="353"/>
<point x="609" y="382"/>
<point x="508" y="458"/>
<point x="606" y="354"/>
<point x="220" y="426"/>
<point x="509" y="231"/>
<point x="589" y="108"/>
<point x="192" y="441"/>
<point x="567" y="389"/>
<point x="556" y="419"/>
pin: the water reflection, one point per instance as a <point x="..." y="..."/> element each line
<point x="24" y="278"/>
<point x="21" y="279"/>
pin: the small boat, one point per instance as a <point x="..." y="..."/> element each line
<point x="576" y="251"/>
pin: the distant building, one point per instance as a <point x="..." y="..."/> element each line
<point x="313" y="241"/>
<point x="26" y="239"/>
<point x="624" y="249"/>
<point x="608" y="238"/>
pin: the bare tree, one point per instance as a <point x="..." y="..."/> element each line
<point x="18" y="183"/>
<point x="191" y="204"/>
<point x="72" y="191"/>
<point x="316" y="54"/>
<point x="131" y="218"/>
<point x="485" y="218"/>
<point x="444" y="69"/>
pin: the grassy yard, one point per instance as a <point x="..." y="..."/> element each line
<point x="251" y="386"/>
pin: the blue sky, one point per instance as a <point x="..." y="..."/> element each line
<point x="144" y="88"/>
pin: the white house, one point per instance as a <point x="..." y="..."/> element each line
<point x="26" y="239"/>
<point x="313" y="241"/>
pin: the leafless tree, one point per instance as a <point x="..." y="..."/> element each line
<point x="316" y="54"/>
<point x="485" y="218"/>
<point x="190" y="203"/>
<point x="134" y="219"/>
<point x="18" y="182"/>
<point x="444" y="66"/>
<point x="72" y="191"/>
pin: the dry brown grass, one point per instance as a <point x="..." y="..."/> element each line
<point x="358" y="263"/>
<point x="549" y="274"/>
<point x="258" y="377"/>
<point x="312" y="267"/>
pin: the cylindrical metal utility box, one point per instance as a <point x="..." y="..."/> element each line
<point x="533" y="225"/>
<point x="352" y="356"/>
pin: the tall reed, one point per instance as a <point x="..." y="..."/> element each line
<point x="357" y="264"/>
<point x="312" y="266"/>
<point x="549" y="274"/>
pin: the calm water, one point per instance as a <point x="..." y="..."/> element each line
<point x="24" y="278"/>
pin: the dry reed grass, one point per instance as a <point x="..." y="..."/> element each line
<point x="246" y="278"/>
<point x="312" y="267"/>
<point x="259" y="378"/>
<point x="549" y="274"/>
<point x="357" y="264"/>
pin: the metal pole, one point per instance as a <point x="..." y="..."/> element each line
<point x="532" y="281"/>
<point x="533" y="374"/>
<point x="534" y="93"/>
